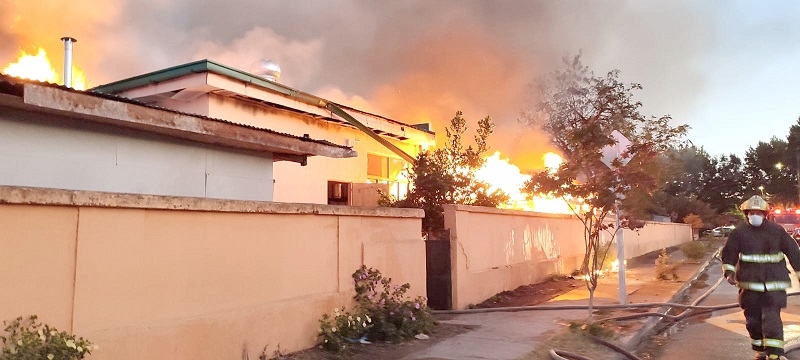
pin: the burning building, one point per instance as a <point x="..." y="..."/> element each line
<point x="385" y="146"/>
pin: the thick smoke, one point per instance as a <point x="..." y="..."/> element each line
<point x="416" y="61"/>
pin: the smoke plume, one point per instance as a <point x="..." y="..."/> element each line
<point x="415" y="61"/>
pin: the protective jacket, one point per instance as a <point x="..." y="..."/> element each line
<point x="758" y="257"/>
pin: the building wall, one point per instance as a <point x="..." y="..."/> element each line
<point x="307" y="184"/>
<point x="214" y="280"/>
<point x="494" y="250"/>
<point x="56" y="152"/>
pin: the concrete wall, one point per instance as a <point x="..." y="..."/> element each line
<point x="655" y="236"/>
<point x="495" y="250"/>
<point x="152" y="277"/>
<point x="54" y="152"/>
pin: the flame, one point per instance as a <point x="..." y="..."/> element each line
<point x="38" y="67"/>
<point x="615" y="265"/>
<point x="500" y="174"/>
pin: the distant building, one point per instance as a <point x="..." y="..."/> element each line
<point x="56" y="137"/>
<point x="384" y="146"/>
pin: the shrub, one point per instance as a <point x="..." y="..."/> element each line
<point x="694" y="250"/>
<point x="343" y="327"/>
<point x="382" y="313"/>
<point x="599" y="329"/>
<point x="665" y="270"/>
<point x="25" y="339"/>
<point x="395" y="317"/>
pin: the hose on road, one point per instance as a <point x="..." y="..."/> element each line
<point x="692" y="309"/>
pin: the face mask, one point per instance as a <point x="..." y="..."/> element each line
<point x="755" y="220"/>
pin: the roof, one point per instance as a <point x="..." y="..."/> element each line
<point x="217" y="68"/>
<point x="124" y="112"/>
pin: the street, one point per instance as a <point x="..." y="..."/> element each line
<point x="722" y="334"/>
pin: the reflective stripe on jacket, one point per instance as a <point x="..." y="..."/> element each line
<point x="762" y="287"/>
<point x="762" y="258"/>
<point x="758" y="256"/>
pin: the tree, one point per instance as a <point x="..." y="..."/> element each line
<point x="696" y="222"/>
<point x="580" y="111"/>
<point x="685" y="164"/>
<point x="447" y="175"/>
<point x="769" y="165"/>
<point x="681" y="182"/>
<point x="724" y="183"/>
<point x="792" y="158"/>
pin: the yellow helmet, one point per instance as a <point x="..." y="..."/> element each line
<point x="754" y="203"/>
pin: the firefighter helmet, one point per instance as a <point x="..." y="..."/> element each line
<point x="755" y="203"/>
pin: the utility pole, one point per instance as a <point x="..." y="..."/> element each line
<point x="610" y="153"/>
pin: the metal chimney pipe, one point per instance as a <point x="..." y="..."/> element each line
<point x="68" y="41"/>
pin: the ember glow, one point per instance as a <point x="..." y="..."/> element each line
<point x="500" y="174"/>
<point x="38" y="67"/>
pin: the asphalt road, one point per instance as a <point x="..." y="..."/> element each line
<point x="721" y="334"/>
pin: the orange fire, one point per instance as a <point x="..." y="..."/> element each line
<point x="38" y="67"/>
<point x="502" y="175"/>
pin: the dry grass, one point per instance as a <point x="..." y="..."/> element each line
<point x="573" y="341"/>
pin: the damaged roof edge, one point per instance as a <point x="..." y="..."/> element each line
<point x="175" y="124"/>
<point x="217" y="68"/>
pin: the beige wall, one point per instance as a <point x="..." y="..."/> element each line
<point x="308" y="184"/>
<point x="655" y="236"/>
<point x="495" y="250"/>
<point x="209" y="281"/>
<point x="37" y="263"/>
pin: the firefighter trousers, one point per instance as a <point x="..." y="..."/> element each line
<point x="763" y="321"/>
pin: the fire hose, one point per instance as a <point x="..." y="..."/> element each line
<point x="692" y="309"/>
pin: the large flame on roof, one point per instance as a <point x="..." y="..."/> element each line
<point x="38" y="67"/>
<point x="500" y="174"/>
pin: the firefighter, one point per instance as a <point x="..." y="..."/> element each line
<point x="754" y="259"/>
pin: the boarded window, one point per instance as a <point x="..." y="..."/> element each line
<point x="377" y="166"/>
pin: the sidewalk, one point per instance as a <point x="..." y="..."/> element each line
<point x="513" y="335"/>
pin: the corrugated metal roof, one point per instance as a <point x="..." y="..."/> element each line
<point x="14" y="85"/>
<point x="217" y="68"/>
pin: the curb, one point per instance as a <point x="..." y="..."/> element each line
<point x="649" y="327"/>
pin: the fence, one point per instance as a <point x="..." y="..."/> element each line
<point x="154" y="277"/>
<point x="495" y="250"/>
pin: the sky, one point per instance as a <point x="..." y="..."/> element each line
<point x="725" y="68"/>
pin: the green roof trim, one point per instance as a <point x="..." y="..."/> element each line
<point x="188" y="69"/>
<point x="206" y="65"/>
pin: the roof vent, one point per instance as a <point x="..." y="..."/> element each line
<point x="267" y="69"/>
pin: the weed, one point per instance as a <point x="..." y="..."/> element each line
<point x="665" y="269"/>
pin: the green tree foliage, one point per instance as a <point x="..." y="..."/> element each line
<point x="684" y="166"/>
<point x="447" y="175"/>
<point x="681" y="177"/>
<point x="724" y="183"/>
<point x="769" y="165"/>
<point x="580" y="110"/>
<point x="677" y="207"/>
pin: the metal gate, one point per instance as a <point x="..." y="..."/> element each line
<point x="437" y="261"/>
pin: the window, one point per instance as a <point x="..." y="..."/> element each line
<point x="377" y="166"/>
<point x="338" y="193"/>
<point x="387" y="170"/>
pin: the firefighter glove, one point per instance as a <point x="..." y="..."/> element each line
<point x="731" y="277"/>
